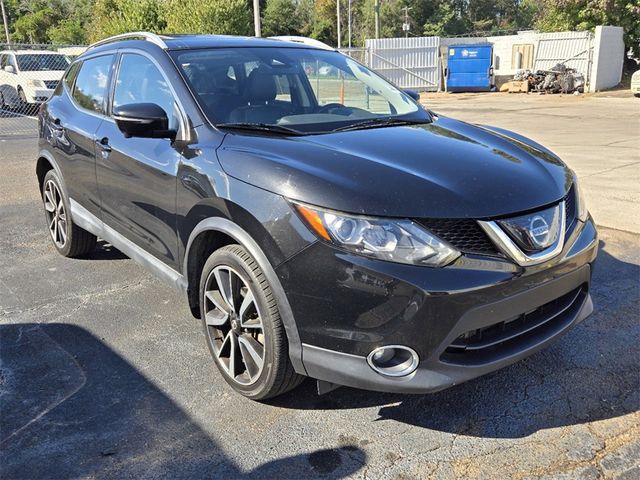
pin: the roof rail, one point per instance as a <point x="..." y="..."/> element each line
<point x="149" y="37"/>
<point x="312" y="42"/>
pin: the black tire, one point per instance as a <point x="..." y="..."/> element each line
<point x="276" y="374"/>
<point x="69" y="239"/>
<point x="22" y="97"/>
<point x="23" y="106"/>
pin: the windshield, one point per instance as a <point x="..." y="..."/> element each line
<point x="308" y="90"/>
<point x="33" y="62"/>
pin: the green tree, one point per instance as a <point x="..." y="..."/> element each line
<point x="556" y="16"/>
<point x="280" y="18"/>
<point x="225" y="17"/>
<point x="48" y="21"/>
<point x="324" y="22"/>
<point x="68" y="31"/>
<point x="34" y="18"/>
<point x="448" y="19"/>
<point x="391" y="19"/>
<point x="112" y="17"/>
<point x="306" y="16"/>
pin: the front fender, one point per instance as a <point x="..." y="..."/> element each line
<point x="242" y="237"/>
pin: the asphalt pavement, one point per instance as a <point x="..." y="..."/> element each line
<point x="104" y="373"/>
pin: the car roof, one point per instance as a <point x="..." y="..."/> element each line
<point x="177" y="42"/>
<point x="146" y="40"/>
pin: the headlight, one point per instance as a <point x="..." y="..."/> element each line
<point x="581" y="206"/>
<point x="35" y="83"/>
<point x="401" y="241"/>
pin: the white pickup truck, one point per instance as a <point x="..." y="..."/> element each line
<point x="29" y="76"/>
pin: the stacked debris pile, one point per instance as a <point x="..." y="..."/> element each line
<point x="560" y="79"/>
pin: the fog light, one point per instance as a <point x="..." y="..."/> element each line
<point x="393" y="360"/>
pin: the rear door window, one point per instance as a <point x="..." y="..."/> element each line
<point x="90" y="90"/>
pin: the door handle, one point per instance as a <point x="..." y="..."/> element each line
<point x="103" y="143"/>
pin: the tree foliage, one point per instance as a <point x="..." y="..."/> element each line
<point x="45" y="21"/>
<point x="225" y="17"/>
<point x="280" y="18"/>
<point x="79" y="21"/>
<point x="112" y="17"/>
<point x="586" y="15"/>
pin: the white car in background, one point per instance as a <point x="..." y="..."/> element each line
<point x="635" y="83"/>
<point x="29" y="76"/>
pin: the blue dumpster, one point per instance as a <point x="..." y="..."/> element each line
<point x="469" y="68"/>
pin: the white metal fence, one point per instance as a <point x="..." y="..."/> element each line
<point x="572" y="49"/>
<point x="416" y="62"/>
<point x="407" y="62"/>
<point x="28" y="76"/>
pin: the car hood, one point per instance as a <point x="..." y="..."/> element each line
<point x="42" y="74"/>
<point x="445" y="169"/>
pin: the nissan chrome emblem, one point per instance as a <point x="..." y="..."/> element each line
<point x="539" y="231"/>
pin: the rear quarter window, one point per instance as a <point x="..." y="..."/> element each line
<point x="90" y="89"/>
<point x="71" y="75"/>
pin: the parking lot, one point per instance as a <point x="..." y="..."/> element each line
<point x="104" y="373"/>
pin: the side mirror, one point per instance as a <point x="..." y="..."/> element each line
<point x="9" y="69"/>
<point x="145" y="120"/>
<point x="413" y="94"/>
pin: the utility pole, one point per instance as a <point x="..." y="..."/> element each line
<point x="4" y="21"/>
<point x="376" y="9"/>
<point x="406" y="26"/>
<point x="349" y="23"/>
<point x="256" y="18"/>
<point x="338" y="17"/>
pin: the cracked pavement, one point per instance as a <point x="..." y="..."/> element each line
<point x="104" y="374"/>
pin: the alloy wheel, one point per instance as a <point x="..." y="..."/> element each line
<point x="56" y="214"/>
<point x="234" y="325"/>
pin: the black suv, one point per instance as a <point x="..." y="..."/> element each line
<point x="319" y="220"/>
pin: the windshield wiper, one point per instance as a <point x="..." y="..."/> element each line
<point x="262" y="127"/>
<point x="380" y="122"/>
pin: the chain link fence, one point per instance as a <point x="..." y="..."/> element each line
<point x="28" y="76"/>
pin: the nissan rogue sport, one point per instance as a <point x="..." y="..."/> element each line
<point x="318" y="219"/>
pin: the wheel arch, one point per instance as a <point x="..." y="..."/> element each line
<point x="215" y="232"/>
<point x="45" y="163"/>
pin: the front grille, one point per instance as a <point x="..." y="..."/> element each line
<point x="464" y="234"/>
<point x="468" y="237"/>
<point x="502" y="339"/>
<point x="51" y="84"/>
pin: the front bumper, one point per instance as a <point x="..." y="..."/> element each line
<point x="37" y="95"/>
<point x="345" y="306"/>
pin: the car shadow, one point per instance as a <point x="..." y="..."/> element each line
<point x="106" y="251"/>
<point x="73" y="408"/>
<point x="589" y="374"/>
